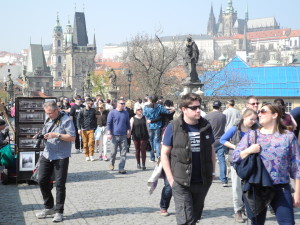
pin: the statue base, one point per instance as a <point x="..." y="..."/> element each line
<point x="192" y="87"/>
<point x="113" y="94"/>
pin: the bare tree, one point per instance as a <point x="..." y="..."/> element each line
<point x="149" y="59"/>
<point x="226" y="82"/>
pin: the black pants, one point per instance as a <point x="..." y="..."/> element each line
<point x="189" y="202"/>
<point x="78" y="143"/>
<point x="60" y="168"/>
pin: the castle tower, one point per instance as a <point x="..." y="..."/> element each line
<point x="80" y="55"/>
<point x="229" y="18"/>
<point x="57" y="56"/>
<point x="211" y="26"/>
<point x="68" y="35"/>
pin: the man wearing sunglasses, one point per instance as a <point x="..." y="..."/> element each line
<point x="118" y="130"/>
<point x="252" y="103"/>
<point x="188" y="159"/>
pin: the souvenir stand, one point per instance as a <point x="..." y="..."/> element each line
<point x="29" y="121"/>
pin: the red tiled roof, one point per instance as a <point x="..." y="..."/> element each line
<point x="57" y="83"/>
<point x="39" y="94"/>
<point x="295" y="33"/>
<point x="114" y="65"/>
<point x="273" y="34"/>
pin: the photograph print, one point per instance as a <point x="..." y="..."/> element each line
<point x="27" y="161"/>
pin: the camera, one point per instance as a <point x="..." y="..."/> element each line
<point x="39" y="138"/>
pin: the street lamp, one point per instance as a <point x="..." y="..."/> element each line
<point x="129" y="74"/>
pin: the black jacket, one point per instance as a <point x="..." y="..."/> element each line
<point x="181" y="155"/>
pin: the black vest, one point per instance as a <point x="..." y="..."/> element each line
<point x="181" y="154"/>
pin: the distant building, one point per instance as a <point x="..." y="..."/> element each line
<point x="72" y="56"/>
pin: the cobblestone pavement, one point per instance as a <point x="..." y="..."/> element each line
<point x="96" y="195"/>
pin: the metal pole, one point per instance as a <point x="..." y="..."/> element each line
<point x="129" y="90"/>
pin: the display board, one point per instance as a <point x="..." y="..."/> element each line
<point x="29" y="121"/>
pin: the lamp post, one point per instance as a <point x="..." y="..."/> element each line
<point x="129" y="74"/>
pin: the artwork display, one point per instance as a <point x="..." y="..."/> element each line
<point x="32" y="116"/>
<point x="29" y="143"/>
<point x="32" y="129"/>
<point x="27" y="161"/>
<point x="31" y="104"/>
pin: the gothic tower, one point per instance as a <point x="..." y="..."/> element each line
<point x="80" y="55"/>
<point x="229" y="18"/>
<point x="211" y="26"/>
<point x="57" y="57"/>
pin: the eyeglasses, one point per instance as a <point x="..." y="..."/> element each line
<point x="194" y="107"/>
<point x="263" y="111"/>
<point x="254" y="103"/>
<point x="122" y="103"/>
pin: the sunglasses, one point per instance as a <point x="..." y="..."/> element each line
<point x="194" y="107"/>
<point x="254" y="103"/>
<point x="262" y="111"/>
<point x="138" y="109"/>
<point x="122" y="103"/>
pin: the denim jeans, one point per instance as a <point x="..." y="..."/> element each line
<point x="60" y="167"/>
<point x="282" y="205"/>
<point x="166" y="194"/>
<point x="154" y="140"/>
<point x="118" y="142"/>
<point x="220" y="151"/>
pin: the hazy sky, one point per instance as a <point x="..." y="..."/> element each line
<point x="116" y="21"/>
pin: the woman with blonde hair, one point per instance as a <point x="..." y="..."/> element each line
<point x="140" y="136"/>
<point x="101" y="131"/>
<point x="129" y="109"/>
<point x="231" y="139"/>
<point x="279" y="151"/>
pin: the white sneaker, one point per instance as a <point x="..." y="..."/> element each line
<point x="87" y="158"/>
<point x="77" y="151"/>
<point x="58" y="217"/>
<point x="92" y="158"/>
<point x="44" y="213"/>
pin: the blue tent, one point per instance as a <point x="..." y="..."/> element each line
<point x="279" y="81"/>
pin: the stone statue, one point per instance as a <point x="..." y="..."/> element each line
<point x="191" y="58"/>
<point x="87" y="84"/>
<point x="113" y="79"/>
<point x="10" y="87"/>
<point x="25" y="88"/>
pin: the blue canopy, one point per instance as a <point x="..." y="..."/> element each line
<point x="281" y="81"/>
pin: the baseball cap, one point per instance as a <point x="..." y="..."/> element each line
<point x="217" y="103"/>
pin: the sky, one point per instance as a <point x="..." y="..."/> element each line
<point x="117" y="21"/>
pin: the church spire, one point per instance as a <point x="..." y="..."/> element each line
<point x="220" y="15"/>
<point x="211" y="26"/>
<point x="247" y="14"/>
<point x="245" y="45"/>
<point x="94" y="39"/>
<point x="229" y="8"/>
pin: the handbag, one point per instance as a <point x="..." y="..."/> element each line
<point x="156" y="174"/>
<point x="247" y="166"/>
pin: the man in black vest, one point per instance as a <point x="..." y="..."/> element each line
<point x="188" y="159"/>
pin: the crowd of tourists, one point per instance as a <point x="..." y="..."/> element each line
<point x="188" y="146"/>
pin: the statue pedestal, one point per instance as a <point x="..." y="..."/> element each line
<point x="192" y="87"/>
<point x="113" y="94"/>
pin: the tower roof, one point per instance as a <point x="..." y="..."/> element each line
<point x="36" y="59"/>
<point x="80" y="37"/>
<point x="57" y="28"/>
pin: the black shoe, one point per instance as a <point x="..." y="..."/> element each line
<point x="122" y="171"/>
<point x="143" y="167"/>
<point x="139" y="166"/>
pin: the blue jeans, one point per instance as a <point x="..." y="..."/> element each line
<point x="154" y="140"/>
<point x="282" y="205"/>
<point x="166" y="194"/>
<point x="118" y="142"/>
<point x="220" y="151"/>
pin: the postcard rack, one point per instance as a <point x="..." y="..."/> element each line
<point x="29" y="121"/>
